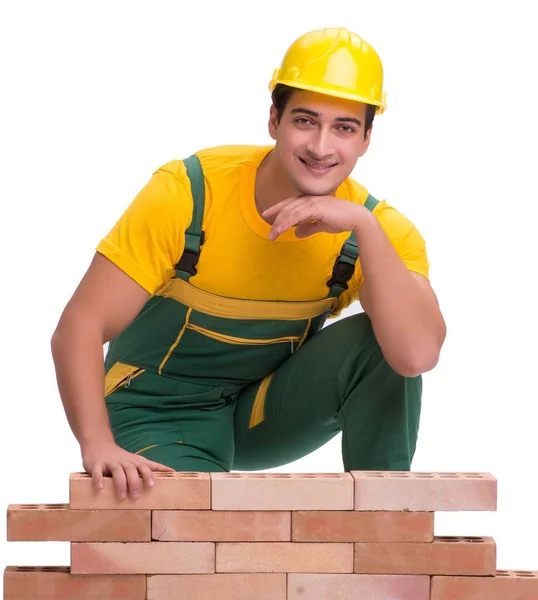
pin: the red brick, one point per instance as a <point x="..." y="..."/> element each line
<point x="284" y="557"/>
<point x="444" y="556"/>
<point x="220" y="586"/>
<point x="364" y="587"/>
<point x="506" y="585"/>
<point x="57" y="583"/>
<point x="428" y="492"/>
<point x="56" y="522"/>
<point x="172" y="491"/>
<point x="143" y="558"/>
<point x="356" y="526"/>
<point x="281" y="491"/>
<point x="221" y="526"/>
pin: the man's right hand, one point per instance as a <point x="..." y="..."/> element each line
<point x="128" y="470"/>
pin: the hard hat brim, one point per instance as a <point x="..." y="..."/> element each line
<point x="335" y="93"/>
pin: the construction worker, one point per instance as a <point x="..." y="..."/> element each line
<point x="214" y="286"/>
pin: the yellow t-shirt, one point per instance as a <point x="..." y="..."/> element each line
<point x="237" y="259"/>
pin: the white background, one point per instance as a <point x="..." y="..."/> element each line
<point x="95" y="96"/>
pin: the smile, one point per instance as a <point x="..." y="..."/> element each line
<point x="317" y="168"/>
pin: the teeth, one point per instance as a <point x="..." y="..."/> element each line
<point x="318" y="167"/>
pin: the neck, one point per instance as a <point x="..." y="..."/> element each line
<point x="272" y="184"/>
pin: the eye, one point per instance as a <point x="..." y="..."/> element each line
<point x="347" y="129"/>
<point x="302" y="121"/>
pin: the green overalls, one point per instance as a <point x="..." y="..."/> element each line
<point x="202" y="382"/>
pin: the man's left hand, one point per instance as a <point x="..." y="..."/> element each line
<point x="313" y="214"/>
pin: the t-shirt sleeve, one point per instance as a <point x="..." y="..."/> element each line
<point x="406" y="240"/>
<point x="148" y="239"/>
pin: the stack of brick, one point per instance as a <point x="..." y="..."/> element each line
<point x="267" y="536"/>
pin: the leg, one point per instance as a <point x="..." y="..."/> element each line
<point x="184" y="426"/>
<point x="338" y="381"/>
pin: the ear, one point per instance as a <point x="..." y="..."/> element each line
<point x="273" y="122"/>
<point x="366" y="142"/>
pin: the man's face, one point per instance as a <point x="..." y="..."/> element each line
<point x="318" y="140"/>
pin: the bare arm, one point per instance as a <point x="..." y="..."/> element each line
<point x="403" y="307"/>
<point x="104" y="303"/>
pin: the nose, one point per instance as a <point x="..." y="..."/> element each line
<point x="320" y="145"/>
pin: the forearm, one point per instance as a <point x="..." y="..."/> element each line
<point x="77" y="350"/>
<point x="405" y="315"/>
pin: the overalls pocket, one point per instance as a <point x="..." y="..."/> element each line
<point x="233" y="351"/>
<point x="292" y="340"/>
<point x="120" y="374"/>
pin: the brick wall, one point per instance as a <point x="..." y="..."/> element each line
<point x="267" y="536"/>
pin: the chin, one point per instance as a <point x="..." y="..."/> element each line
<point x="316" y="188"/>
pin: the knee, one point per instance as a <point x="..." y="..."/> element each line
<point x="359" y="332"/>
<point x="363" y="352"/>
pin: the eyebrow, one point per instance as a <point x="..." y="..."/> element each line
<point x="313" y="113"/>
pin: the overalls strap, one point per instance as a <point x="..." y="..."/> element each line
<point x="194" y="236"/>
<point x="344" y="266"/>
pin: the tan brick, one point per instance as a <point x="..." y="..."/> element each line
<point x="444" y="556"/>
<point x="281" y="491"/>
<point x="356" y="526"/>
<point x="283" y="557"/>
<point x="220" y="586"/>
<point x="428" y="492"/>
<point x="143" y="558"/>
<point x="364" y="587"/>
<point x="56" y="522"/>
<point x="505" y="585"/>
<point x="172" y="491"/>
<point x="57" y="583"/>
<point x="221" y="526"/>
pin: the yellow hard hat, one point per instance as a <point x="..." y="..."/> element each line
<point x="336" y="62"/>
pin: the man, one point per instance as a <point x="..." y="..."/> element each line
<point x="214" y="286"/>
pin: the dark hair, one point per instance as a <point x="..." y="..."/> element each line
<point x="282" y="93"/>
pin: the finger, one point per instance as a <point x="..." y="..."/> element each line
<point x="276" y="208"/>
<point x="120" y="481"/>
<point x="291" y="217"/>
<point x="97" y="476"/>
<point x="155" y="466"/>
<point x="133" y="479"/>
<point x="285" y="218"/>
<point x="284" y="207"/>
<point x="147" y="474"/>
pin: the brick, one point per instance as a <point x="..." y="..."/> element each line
<point x="444" y="556"/>
<point x="283" y="557"/>
<point x="56" y="522"/>
<point x="505" y="585"/>
<point x="428" y="492"/>
<point x="356" y="526"/>
<point x="57" y="583"/>
<point x="281" y="491"/>
<point x="364" y="587"/>
<point x="167" y="558"/>
<point x="220" y="586"/>
<point x="172" y="491"/>
<point x="221" y="526"/>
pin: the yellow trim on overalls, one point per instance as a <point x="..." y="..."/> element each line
<point x="146" y="448"/>
<point x="307" y="329"/>
<point x="119" y="374"/>
<point x="258" y="408"/>
<point x="174" y="345"/>
<point x="236" y="308"/>
<point x="232" y="339"/>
